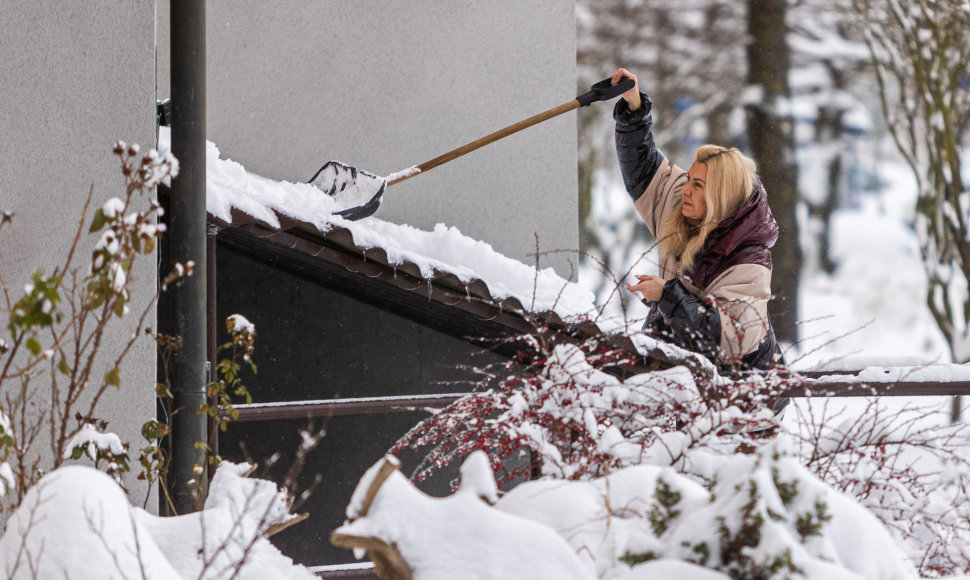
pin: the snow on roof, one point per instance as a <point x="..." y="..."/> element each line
<point x="231" y="190"/>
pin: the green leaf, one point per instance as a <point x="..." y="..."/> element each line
<point x="33" y="345"/>
<point x="153" y="430"/>
<point x="64" y="368"/>
<point x="161" y="389"/>
<point x="120" y="307"/>
<point x="77" y="452"/>
<point x="98" y="222"/>
<point x="113" y="378"/>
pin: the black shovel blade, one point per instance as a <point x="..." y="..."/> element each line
<point x="357" y="194"/>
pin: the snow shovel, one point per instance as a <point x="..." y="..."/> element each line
<point x="358" y="193"/>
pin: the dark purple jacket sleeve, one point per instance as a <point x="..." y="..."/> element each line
<point x="635" y="148"/>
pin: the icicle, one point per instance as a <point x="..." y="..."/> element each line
<point x="430" y="289"/>
<point x="394" y="269"/>
<point x="468" y="294"/>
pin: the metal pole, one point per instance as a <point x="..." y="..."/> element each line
<point x="187" y="236"/>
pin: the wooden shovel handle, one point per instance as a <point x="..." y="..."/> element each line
<point x="454" y="154"/>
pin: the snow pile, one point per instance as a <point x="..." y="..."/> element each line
<point x="764" y="517"/>
<point x="76" y="522"/>
<point x="459" y="536"/>
<point x="444" y="249"/>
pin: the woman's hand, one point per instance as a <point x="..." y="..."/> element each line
<point x="632" y="97"/>
<point x="652" y="287"/>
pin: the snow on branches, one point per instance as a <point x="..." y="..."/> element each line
<point x="567" y="413"/>
<point x="920" y="51"/>
<point x="907" y="464"/>
<point x="558" y="413"/>
<point x="54" y="366"/>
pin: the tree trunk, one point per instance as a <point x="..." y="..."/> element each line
<point x="771" y="138"/>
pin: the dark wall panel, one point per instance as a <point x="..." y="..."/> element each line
<point x="316" y="343"/>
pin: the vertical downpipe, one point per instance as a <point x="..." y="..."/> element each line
<point x="189" y="366"/>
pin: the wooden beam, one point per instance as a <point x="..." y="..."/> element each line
<point x="363" y="571"/>
<point x="344" y="407"/>
<point x="418" y="403"/>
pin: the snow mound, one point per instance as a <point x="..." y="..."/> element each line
<point x="461" y="536"/>
<point x="764" y="516"/>
<point x="764" y="512"/>
<point x="77" y="522"/>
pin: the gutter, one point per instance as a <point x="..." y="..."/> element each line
<point x="187" y="300"/>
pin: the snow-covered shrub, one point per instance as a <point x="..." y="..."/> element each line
<point x="564" y="417"/>
<point x="762" y="517"/>
<point x="100" y="447"/>
<point x="76" y="522"/>
<point x="905" y="463"/>
<point x="564" y="413"/>
<point x="460" y="536"/>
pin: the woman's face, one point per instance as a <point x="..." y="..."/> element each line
<point x="694" y="200"/>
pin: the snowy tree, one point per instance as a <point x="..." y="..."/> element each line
<point x="921" y="53"/>
<point x="772" y="142"/>
<point x="830" y="78"/>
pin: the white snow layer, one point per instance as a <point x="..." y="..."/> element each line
<point x="444" y="249"/>
<point x="91" y="440"/>
<point x="77" y="523"/>
<point x="460" y="536"/>
<point x="530" y="533"/>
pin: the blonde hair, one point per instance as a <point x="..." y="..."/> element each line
<point x="731" y="177"/>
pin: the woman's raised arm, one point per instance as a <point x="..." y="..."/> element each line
<point x="635" y="147"/>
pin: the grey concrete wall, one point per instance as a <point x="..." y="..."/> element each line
<point x="384" y="85"/>
<point x="76" y="77"/>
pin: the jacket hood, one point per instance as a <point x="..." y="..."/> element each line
<point x="741" y="238"/>
<point x="753" y="224"/>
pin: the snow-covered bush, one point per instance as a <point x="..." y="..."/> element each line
<point x="763" y="516"/>
<point x="407" y="532"/>
<point x="562" y="412"/>
<point x="906" y="463"/>
<point x="76" y="522"/>
<point x="569" y="416"/>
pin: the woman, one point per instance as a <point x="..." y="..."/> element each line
<point x="714" y="230"/>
